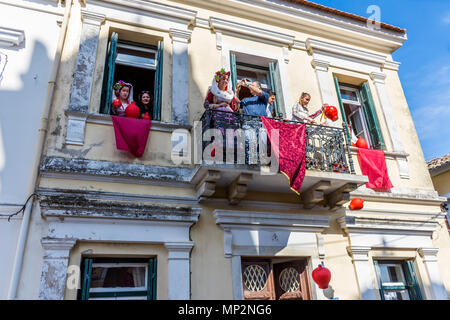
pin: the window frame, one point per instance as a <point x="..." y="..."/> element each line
<point x="359" y="110"/>
<point x="143" y="48"/>
<point x="119" y="293"/>
<point x="112" y="52"/>
<point x="412" y="287"/>
<point x="274" y="267"/>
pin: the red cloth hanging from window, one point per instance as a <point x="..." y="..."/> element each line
<point x="131" y="134"/>
<point x="373" y="165"/>
<point x="290" y="152"/>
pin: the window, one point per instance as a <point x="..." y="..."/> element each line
<point x="118" y="279"/>
<point x="259" y="69"/>
<point x="276" y="279"/>
<point x="135" y="63"/>
<point x="397" y="280"/>
<point x="358" y="110"/>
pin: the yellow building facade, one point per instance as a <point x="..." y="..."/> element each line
<point x="194" y="230"/>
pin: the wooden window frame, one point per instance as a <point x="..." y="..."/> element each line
<point x="140" y="293"/>
<point x="274" y="268"/>
<point x="408" y="272"/>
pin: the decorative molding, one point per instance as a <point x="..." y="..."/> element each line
<point x="299" y="45"/>
<point x="362" y="224"/>
<point x="280" y="221"/>
<point x="378" y="77"/>
<point x="116" y="196"/>
<point x="76" y="125"/>
<point x="155" y="8"/>
<point x="219" y="40"/>
<point x="400" y="195"/>
<point x="96" y="170"/>
<point x="62" y="246"/>
<point x="429" y="254"/>
<point x="11" y="37"/>
<point x="286" y="54"/>
<point x="62" y="206"/>
<point x="320" y="246"/>
<point x="182" y="36"/>
<point x="391" y="65"/>
<point x="359" y="253"/>
<point x="92" y="18"/>
<point x="308" y="19"/>
<point x="201" y="22"/>
<point x="248" y="31"/>
<point x="318" y="45"/>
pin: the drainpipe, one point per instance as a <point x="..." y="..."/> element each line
<point x="38" y="156"/>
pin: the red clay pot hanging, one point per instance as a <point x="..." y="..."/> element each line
<point x="361" y="143"/>
<point x="331" y="113"/>
<point x="132" y="111"/>
<point x="356" y="204"/>
<point x="146" y="116"/>
<point x="321" y="276"/>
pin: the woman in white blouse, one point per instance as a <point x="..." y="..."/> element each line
<point x="300" y="110"/>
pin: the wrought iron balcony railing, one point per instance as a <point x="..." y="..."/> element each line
<point x="326" y="147"/>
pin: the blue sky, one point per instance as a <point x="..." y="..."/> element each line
<point x="425" y="58"/>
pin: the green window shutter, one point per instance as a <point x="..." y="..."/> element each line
<point x="233" y="70"/>
<point x="86" y="285"/>
<point x="108" y="78"/>
<point x="380" y="284"/>
<point x="157" y="94"/>
<point x="274" y="87"/>
<point x="371" y="117"/>
<point x="411" y="280"/>
<point x="341" y="107"/>
<point x="152" y="276"/>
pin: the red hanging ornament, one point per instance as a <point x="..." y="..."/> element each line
<point x="331" y="113"/>
<point x="146" y="116"/>
<point x="132" y="111"/>
<point x="356" y="204"/>
<point x="321" y="276"/>
<point x="361" y="143"/>
<point x="117" y="103"/>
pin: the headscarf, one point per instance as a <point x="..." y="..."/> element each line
<point x="119" y="85"/>
<point x="225" y="95"/>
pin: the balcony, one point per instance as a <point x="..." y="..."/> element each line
<point x="245" y="163"/>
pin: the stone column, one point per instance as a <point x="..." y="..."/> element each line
<point x="429" y="256"/>
<point x="83" y="77"/>
<point x="180" y="76"/>
<point x="54" y="268"/>
<point x="326" y="87"/>
<point x="363" y="272"/>
<point x="236" y="271"/>
<point x="179" y="270"/>
<point x="397" y="144"/>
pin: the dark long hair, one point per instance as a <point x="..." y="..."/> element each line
<point x="141" y="106"/>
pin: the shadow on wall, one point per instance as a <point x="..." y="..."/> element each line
<point x="23" y="101"/>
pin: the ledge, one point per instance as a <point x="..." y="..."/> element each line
<point x="388" y="154"/>
<point x="64" y="205"/>
<point x="156" y="125"/>
<point x="11" y="37"/>
<point x="85" y="169"/>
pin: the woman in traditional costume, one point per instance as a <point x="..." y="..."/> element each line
<point x="220" y="95"/>
<point x="124" y="97"/>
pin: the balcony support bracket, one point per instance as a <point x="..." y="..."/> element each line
<point x="315" y="194"/>
<point x="207" y="185"/>
<point x="337" y="198"/>
<point x="238" y="188"/>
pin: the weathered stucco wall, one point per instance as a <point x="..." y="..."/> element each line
<point x="211" y="272"/>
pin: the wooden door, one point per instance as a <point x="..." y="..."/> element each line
<point x="257" y="280"/>
<point x="291" y="280"/>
